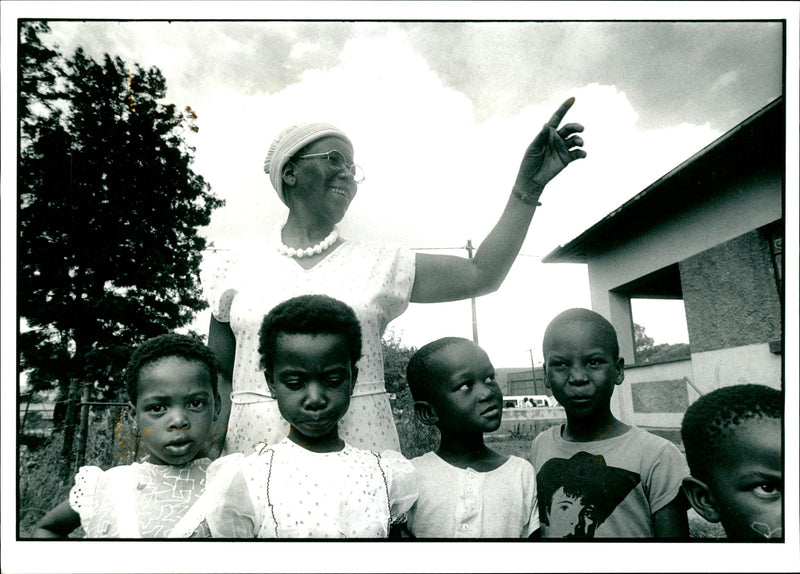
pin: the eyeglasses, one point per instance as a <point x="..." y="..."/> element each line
<point x="338" y="162"/>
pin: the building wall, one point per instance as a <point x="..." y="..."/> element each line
<point x="655" y="395"/>
<point x="530" y="422"/>
<point x="748" y="364"/>
<point x="725" y="216"/>
<point x="748" y="205"/>
<point x="730" y="295"/>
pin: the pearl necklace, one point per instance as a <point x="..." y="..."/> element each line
<point x="320" y="247"/>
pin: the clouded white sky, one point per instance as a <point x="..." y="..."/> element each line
<point x="440" y="113"/>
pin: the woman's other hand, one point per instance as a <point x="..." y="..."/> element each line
<point x="550" y="152"/>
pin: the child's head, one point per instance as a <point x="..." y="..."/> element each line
<point x="581" y="362"/>
<point x="732" y="438"/>
<point x="309" y="347"/>
<point x="172" y="387"/>
<point x="453" y="385"/>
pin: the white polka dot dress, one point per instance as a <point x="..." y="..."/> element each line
<point x="286" y="491"/>
<point x="374" y="280"/>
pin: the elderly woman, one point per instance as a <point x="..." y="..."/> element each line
<point x="312" y="169"/>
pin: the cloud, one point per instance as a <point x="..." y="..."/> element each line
<point x="440" y="115"/>
<point x="437" y="175"/>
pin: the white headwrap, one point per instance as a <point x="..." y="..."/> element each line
<point x="289" y="142"/>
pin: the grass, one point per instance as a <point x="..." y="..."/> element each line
<point x="110" y="443"/>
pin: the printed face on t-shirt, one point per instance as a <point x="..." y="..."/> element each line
<point x="570" y="517"/>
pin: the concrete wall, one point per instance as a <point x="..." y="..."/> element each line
<point x="754" y="364"/>
<point x="725" y="215"/>
<point x="746" y="206"/>
<point x="655" y="395"/>
<point x="730" y="295"/>
<point x="530" y="421"/>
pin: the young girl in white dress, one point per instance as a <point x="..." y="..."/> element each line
<point x="172" y="386"/>
<point x="311" y="484"/>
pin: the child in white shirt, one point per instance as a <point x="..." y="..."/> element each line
<point x="172" y="387"/>
<point x="466" y="490"/>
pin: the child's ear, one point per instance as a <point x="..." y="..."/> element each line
<point x="217" y="407"/>
<point x="426" y="413"/>
<point x="546" y="378"/>
<point x="620" y="366"/>
<point x="700" y="498"/>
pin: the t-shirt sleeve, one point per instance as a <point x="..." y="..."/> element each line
<point x="231" y="512"/>
<point x="402" y="483"/>
<point x="537" y="450"/>
<point x="219" y="283"/>
<point x="665" y="474"/>
<point x="82" y="495"/>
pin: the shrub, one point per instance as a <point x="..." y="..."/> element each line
<point x="110" y="442"/>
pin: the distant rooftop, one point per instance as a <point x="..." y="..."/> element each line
<point x="761" y="136"/>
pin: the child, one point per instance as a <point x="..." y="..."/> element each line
<point x="597" y="476"/>
<point x="172" y="386"/>
<point x="732" y="438"/>
<point x="311" y="484"/>
<point x="466" y="490"/>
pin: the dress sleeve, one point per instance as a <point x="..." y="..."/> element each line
<point x="397" y="281"/>
<point x="81" y="496"/>
<point x="665" y="475"/>
<point x="231" y="512"/>
<point x="218" y="282"/>
<point x="402" y="483"/>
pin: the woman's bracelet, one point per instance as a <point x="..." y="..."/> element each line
<point x="527" y="198"/>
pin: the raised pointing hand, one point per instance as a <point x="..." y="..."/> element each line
<point x="552" y="149"/>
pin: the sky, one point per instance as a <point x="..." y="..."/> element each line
<point x="440" y="113"/>
<point x="440" y="100"/>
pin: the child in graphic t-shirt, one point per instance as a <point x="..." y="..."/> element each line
<point x="597" y="476"/>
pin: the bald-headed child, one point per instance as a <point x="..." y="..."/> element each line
<point x="466" y="490"/>
<point x="732" y="438"/>
<point x="597" y="476"/>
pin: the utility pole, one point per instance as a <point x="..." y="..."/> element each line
<point x="533" y="373"/>
<point x="469" y="249"/>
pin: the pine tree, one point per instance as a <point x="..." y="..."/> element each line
<point x="110" y="208"/>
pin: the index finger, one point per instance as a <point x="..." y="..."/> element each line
<point x="560" y="113"/>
